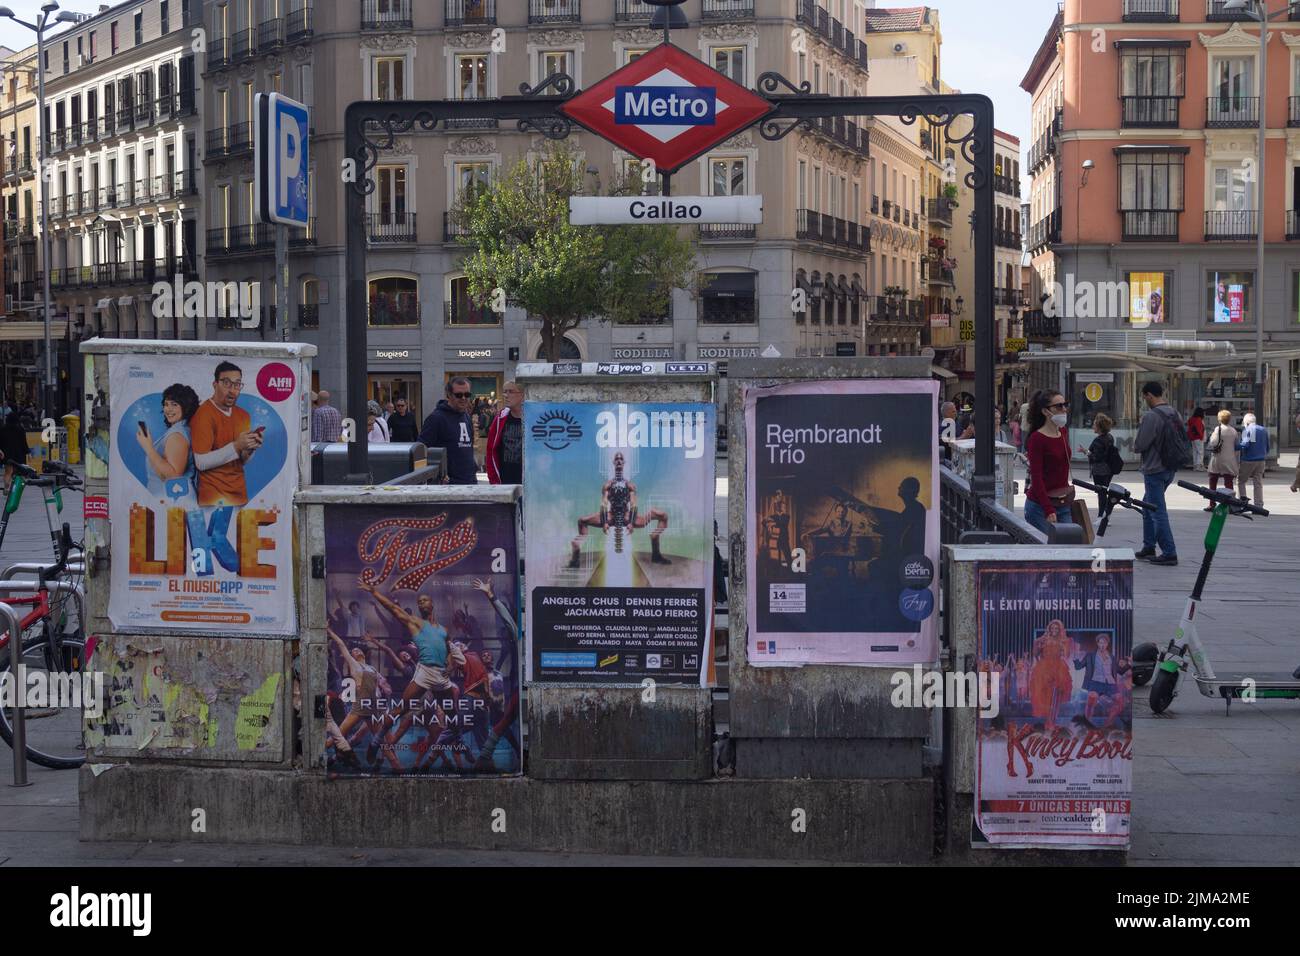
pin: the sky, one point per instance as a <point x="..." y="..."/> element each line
<point x="987" y="46"/>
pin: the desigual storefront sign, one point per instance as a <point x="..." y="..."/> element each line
<point x="395" y="355"/>
<point x="469" y="354"/>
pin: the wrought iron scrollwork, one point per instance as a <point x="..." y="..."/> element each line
<point x="773" y="130"/>
<point x="557" y="126"/>
<point x="970" y="143"/>
<point x="771" y="84"/>
<point x="379" y="133"/>
<point x="561" y="83"/>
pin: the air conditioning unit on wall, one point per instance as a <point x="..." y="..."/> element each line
<point x="900" y="48"/>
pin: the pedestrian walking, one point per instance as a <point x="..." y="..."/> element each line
<point x="505" y="443"/>
<point x="1223" y="453"/>
<point x="449" y="427"/>
<point x="1254" y="458"/>
<point x="13" y="446"/>
<point x="326" y="422"/>
<point x="403" y="426"/>
<point x="1156" y="441"/>
<point x="1048" y="497"/>
<point x="1196" y="435"/>
<point x="1101" y="457"/>
<point x="376" y="427"/>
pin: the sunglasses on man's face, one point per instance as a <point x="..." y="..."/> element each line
<point x="462" y="395"/>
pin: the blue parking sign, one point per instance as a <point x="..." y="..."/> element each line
<point x="281" y="160"/>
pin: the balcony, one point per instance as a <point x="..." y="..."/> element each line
<point x="241" y="46"/>
<point x="1010" y="298"/>
<point x="309" y="316"/>
<point x="1006" y="185"/>
<point x="1007" y="239"/>
<point x="940" y="211"/>
<point x="626" y="11"/>
<point x="1227" y="225"/>
<point x="390" y="227"/>
<point x="255" y="237"/>
<point x="471" y="122"/>
<point x="875" y="205"/>
<point x="298" y="25"/>
<point x="270" y="35"/>
<point x="1293" y="117"/>
<point x="1038" y="325"/>
<point x="385" y="311"/>
<point x="832" y="31"/>
<point x="1150" y="225"/>
<point x="831" y="230"/>
<point x="451" y="231"/>
<point x="466" y="13"/>
<point x="218" y="54"/>
<point x="844" y="132"/>
<point x="1149" y="112"/>
<point x="895" y="310"/>
<point x="728" y="232"/>
<point x="1215" y="12"/>
<point x="554" y="11"/>
<point x="1231" y="112"/>
<point x="1150" y="11"/>
<point x="391" y="15"/>
<point x="229" y="141"/>
<point x="1045" y="232"/>
<point x="728" y="9"/>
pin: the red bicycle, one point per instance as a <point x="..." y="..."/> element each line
<point x="51" y="671"/>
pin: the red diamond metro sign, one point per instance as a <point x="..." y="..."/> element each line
<point x="666" y="106"/>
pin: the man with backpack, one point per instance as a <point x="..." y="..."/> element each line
<point x="1163" y="444"/>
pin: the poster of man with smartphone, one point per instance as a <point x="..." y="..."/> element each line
<point x="224" y="439"/>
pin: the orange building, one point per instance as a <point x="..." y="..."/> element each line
<point x="1145" y="203"/>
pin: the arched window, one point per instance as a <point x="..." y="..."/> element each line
<point x="309" y="304"/>
<point x="394" y="301"/>
<point x="463" y="310"/>
<point x="568" y="351"/>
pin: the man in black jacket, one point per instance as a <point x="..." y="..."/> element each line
<point x="402" y="424"/>
<point x="448" y="427"/>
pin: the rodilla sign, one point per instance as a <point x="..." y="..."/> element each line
<point x="666" y="106"/>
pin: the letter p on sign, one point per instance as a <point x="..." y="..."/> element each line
<point x="280" y="160"/>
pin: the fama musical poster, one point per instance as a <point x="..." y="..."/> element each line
<point x="203" y="466"/>
<point x="842" y="523"/>
<point x="424" y="660"/>
<point x="620" y="544"/>
<point x="1054" y="766"/>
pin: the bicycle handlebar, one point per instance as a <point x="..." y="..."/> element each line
<point x="1224" y="498"/>
<point x="1118" y="494"/>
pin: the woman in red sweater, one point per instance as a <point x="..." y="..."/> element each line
<point x="1048" y="451"/>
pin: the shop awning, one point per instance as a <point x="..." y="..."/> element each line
<point x="942" y="372"/>
<point x="857" y="289"/>
<point x="32" y="331"/>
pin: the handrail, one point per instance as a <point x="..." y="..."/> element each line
<point x="12" y="625"/>
<point x="427" y="475"/>
<point x="36" y="567"/>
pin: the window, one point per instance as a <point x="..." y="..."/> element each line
<point x="555" y="62"/>
<point x="471" y="177"/>
<point x="634" y="176"/>
<point x="277" y="82"/>
<point x="394" y="301"/>
<point x="1295" y="297"/>
<point x="630" y="55"/>
<point x="163" y="16"/>
<point x="1233" y="78"/>
<point x="728" y="177"/>
<point x="1233" y="188"/>
<point x="730" y="61"/>
<point x="139" y="29"/>
<point x="390" y="78"/>
<point x="92" y="46"/>
<point x="1152" y="71"/>
<point x="463" y="310"/>
<point x="1229" y="297"/>
<point x="728" y="298"/>
<point x="390" y="197"/>
<point x="472" y="76"/>
<point x="1151" y="180"/>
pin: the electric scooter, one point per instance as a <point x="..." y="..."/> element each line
<point x="1186" y="643"/>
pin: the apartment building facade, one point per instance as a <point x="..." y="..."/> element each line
<point x="1146" y="124"/>
<point x="1012" y="375"/>
<point x="423" y="325"/>
<point x="122" y="113"/>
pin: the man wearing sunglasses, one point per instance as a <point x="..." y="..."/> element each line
<point x="448" y="427"/>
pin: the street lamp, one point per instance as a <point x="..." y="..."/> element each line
<point x="1258" y="12"/>
<point x="63" y="16"/>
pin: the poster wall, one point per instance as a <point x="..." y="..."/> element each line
<point x="203" y="465"/>
<point x="1147" y="297"/>
<point x="620" y="548"/>
<point x="843" y="522"/>
<point x="424" y="661"/>
<point x="1054" y="765"/>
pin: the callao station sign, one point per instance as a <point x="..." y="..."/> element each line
<point x="670" y="108"/>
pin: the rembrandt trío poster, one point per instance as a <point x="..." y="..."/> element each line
<point x="1054" y="766"/>
<point x="203" y="466"/>
<point x="424" y="650"/>
<point x="619" y="541"/>
<point x="842" y="522"/>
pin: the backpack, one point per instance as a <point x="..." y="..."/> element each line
<point x="1114" y="461"/>
<point x="1173" y="445"/>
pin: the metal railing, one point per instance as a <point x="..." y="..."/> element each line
<point x="1229" y="224"/>
<point x="298" y="25"/>
<point x="270" y="34"/>
<point x="1293" y="116"/>
<point x="1149" y="111"/>
<point x="218" y="53"/>
<point x="727" y="9"/>
<point x="554" y="11"/>
<point x="627" y="10"/>
<point x="384" y="313"/>
<point x="241" y="46"/>
<point x="394" y="15"/>
<point x="1231" y="112"/>
<point x="390" y="227"/>
<point x="1007" y="185"/>
<point x="309" y="316"/>
<point x="727" y="232"/>
<point x="1150" y="225"/>
<point x="961" y="510"/>
<point x="459" y="13"/>
<point x="1150" y="11"/>
<point x="452" y="229"/>
<point x="831" y="230"/>
<point x="1292" y="224"/>
<point x="1215" y="12"/>
<point x="229" y="140"/>
<point x="940" y="211"/>
<point x="254" y="237"/>
<point x="1008" y="238"/>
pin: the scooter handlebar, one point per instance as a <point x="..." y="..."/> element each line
<point x="1224" y="497"/>
<point x="1118" y="494"/>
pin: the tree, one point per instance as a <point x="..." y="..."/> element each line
<point x="521" y="243"/>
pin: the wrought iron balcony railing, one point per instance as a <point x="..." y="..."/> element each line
<point x="1230" y="224"/>
<point x="464" y="13"/>
<point x="386" y="15"/>
<point x="554" y="11"/>
<point x="1150" y="225"/>
<point x="390" y="227"/>
<point x="1150" y="111"/>
<point x="1150" y="11"/>
<point x="1231" y="112"/>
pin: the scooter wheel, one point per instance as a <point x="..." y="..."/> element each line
<point x="1162" y="690"/>
<point x="1145" y="658"/>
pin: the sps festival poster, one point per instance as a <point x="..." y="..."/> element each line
<point x="620" y="548"/>
<point x="424" y="640"/>
<point x="203" y="466"/>
<point x="842" y="523"/>
<point x="1054" y="766"/>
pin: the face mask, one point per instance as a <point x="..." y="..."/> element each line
<point x="1060" y="420"/>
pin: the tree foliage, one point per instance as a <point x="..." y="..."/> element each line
<point x="520" y="240"/>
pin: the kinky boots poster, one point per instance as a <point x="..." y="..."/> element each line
<point x="1054" y="763"/>
<point x="842" y="512"/>
<point x="619" y="541"/>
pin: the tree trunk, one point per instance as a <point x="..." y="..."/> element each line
<point x="550" y="341"/>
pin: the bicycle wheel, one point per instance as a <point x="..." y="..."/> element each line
<point x="55" y="736"/>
